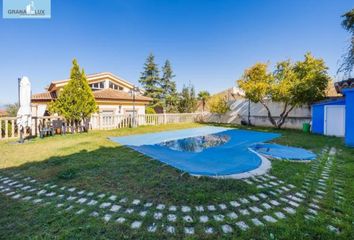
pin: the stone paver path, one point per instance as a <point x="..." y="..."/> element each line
<point x="276" y="201"/>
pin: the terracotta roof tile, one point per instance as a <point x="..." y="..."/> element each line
<point x="47" y="96"/>
<point x="110" y="94"/>
<point x="104" y="94"/>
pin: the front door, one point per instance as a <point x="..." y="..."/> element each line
<point x="334" y="121"/>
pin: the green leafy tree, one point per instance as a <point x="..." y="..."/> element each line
<point x="12" y="109"/>
<point x="293" y="84"/>
<point x="203" y="96"/>
<point x="348" y="58"/>
<point x="150" y="110"/>
<point x="187" y="100"/>
<point x="76" y="101"/>
<point x="169" y="95"/>
<point x="150" y="81"/>
<point x="218" y="105"/>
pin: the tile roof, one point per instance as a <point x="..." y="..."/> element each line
<point x="110" y="94"/>
<point x="47" y="96"/>
<point x="104" y="94"/>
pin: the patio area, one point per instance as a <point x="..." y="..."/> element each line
<point x="86" y="186"/>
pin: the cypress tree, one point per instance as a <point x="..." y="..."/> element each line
<point x="76" y="101"/>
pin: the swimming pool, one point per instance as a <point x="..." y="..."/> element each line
<point x="207" y="151"/>
<point x="231" y="156"/>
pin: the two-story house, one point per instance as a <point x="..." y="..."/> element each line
<point x="113" y="95"/>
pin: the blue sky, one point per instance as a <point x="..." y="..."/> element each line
<point x="209" y="42"/>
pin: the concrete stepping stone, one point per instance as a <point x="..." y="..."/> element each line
<point x="158" y="215"/>
<point x="105" y="205"/>
<point x="235" y="204"/>
<point x="152" y="228"/>
<point x="38" y="200"/>
<point x="102" y="195"/>
<point x="71" y="198"/>
<point x="219" y="217"/>
<point x="51" y="194"/>
<point x="92" y="202"/>
<point x="199" y="208"/>
<point x="81" y="200"/>
<point x="81" y="192"/>
<point x="171" y="229"/>
<point x="160" y="206"/>
<point x="172" y="208"/>
<point x="254" y="198"/>
<point x="244" y="200"/>
<point x="309" y="217"/>
<point x="17" y="196"/>
<point x="80" y="211"/>
<point x="209" y="230"/>
<point x="280" y="215"/>
<point x="123" y="200"/>
<point x="171" y="217"/>
<point x="107" y="217"/>
<point x="248" y="181"/>
<point x="69" y="208"/>
<point x="273" y="193"/>
<point x="136" y="224"/>
<point x="312" y="211"/>
<point x="244" y="212"/>
<point x="113" y="197"/>
<point x="185" y="209"/>
<point x="120" y="220"/>
<point x="222" y="206"/>
<point x="59" y="205"/>
<point x="242" y="225"/>
<point x="333" y="229"/>
<point x="269" y="219"/>
<point x="294" y="204"/>
<point x="188" y="219"/>
<point x="129" y="211"/>
<point x="148" y="204"/>
<point x="314" y="206"/>
<point x="203" y="219"/>
<point x="142" y="213"/>
<point x="41" y="192"/>
<point x="136" y="202"/>
<point x="211" y="208"/>
<point x="262" y="195"/>
<point x="90" y="194"/>
<point x="232" y="215"/>
<point x="115" y="208"/>
<point x="289" y="210"/>
<point x="257" y="222"/>
<point x="226" y="228"/>
<point x="71" y="189"/>
<point x="256" y="209"/>
<point x="266" y="206"/>
<point x="189" y="230"/>
<point x="27" y="198"/>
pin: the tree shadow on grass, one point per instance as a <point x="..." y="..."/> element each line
<point x="123" y="171"/>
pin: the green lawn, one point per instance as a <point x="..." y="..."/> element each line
<point x="91" y="162"/>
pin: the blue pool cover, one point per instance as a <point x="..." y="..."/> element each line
<point x="225" y="157"/>
<point x="283" y="152"/>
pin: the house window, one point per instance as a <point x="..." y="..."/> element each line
<point x="97" y="86"/>
<point x="115" y="86"/>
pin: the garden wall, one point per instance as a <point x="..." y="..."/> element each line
<point x="259" y="117"/>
